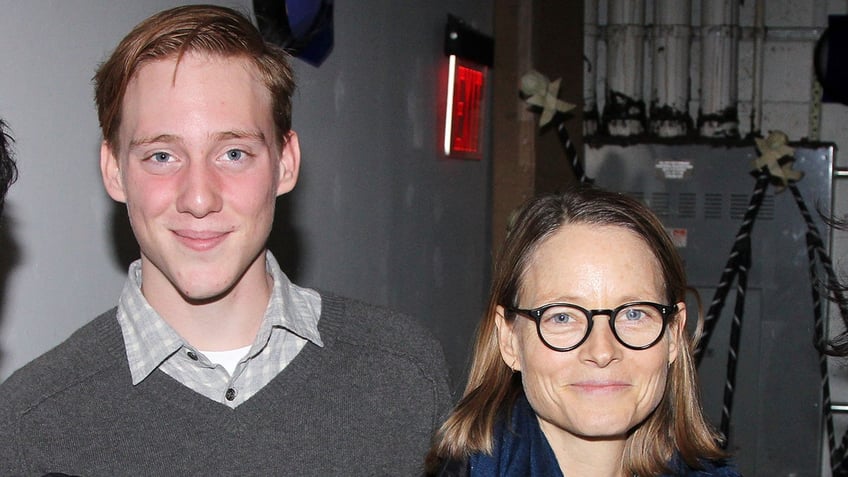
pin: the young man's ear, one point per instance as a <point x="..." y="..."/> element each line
<point x="289" y="164"/>
<point x="110" y="170"/>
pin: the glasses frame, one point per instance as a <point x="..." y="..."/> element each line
<point x="535" y="314"/>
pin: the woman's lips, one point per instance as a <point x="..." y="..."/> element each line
<point x="600" y="387"/>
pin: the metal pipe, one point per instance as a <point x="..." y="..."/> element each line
<point x="624" y="108"/>
<point x="757" y="80"/>
<point x="718" y="116"/>
<point x="772" y="34"/>
<point x="811" y="34"/>
<point x="590" y="67"/>
<point x="671" y="41"/>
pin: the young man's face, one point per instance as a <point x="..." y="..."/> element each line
<point x="199" y="168"/>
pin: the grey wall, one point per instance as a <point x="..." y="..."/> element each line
<point x="378" y="214"/>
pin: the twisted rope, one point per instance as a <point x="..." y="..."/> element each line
<point x="743" y="264"/>
<point x="816" y="253"/>
<point x="731" y="268"/>
<point x="571" y="153"/>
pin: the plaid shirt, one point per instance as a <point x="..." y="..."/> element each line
<point x="291" y="319"/>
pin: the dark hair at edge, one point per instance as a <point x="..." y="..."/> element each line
<point x="835" y="289"/>
<point x="8" y="167"/>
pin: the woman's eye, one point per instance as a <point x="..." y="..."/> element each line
<point x="561" y="318"/>
<point x="633" y="314"/>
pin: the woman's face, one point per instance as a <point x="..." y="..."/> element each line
<point x="601" y="389"/>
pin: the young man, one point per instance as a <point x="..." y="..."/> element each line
<point x="213" y="362"/>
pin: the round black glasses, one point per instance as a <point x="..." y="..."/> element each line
<point x="565" y="326"/>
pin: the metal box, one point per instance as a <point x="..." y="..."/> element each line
<point x="701" y="193"/>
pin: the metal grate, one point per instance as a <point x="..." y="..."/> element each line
<point x="660" y="204"/>
<point x="686" y="205"/>
<point x="713" y="205"/>
<point x="739" y="204"/>
<point x="638" y="195"/>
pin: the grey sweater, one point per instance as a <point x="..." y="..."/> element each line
<point x="365" y="404"/>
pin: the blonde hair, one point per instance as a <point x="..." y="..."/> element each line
<point x="677" y="425"/>
<point x="193" y="28"/>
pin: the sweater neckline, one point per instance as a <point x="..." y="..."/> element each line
<point x="303" y="368"/>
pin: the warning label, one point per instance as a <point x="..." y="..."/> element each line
<point x="679" y="236"/>
<point x="674" y="169"/>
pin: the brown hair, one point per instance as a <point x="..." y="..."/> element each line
<point x="676" y="425"/>
<point x="193" y="28"/>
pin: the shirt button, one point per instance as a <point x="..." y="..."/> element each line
<point x="230" y="394"/>
<point x="192" y="356"/>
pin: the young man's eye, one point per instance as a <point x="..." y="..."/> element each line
<point x="160" y="157"/>
<point x="235" y="155"/>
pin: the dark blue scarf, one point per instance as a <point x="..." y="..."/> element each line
<point x="520" y="448"/>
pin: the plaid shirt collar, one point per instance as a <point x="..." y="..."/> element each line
<point x="150" y="340"/>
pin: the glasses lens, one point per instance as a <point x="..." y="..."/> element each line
<point x="638" y="325"/>
<point x="563" y="326"/>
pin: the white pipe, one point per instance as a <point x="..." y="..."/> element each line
<point x="624" y="109"/>
<point x="794" y="34"/>
<point x="757" y="80"/>
<point x="672" y="33"/>
<point x="719" y="63"/>
<point x="590" y="67"/>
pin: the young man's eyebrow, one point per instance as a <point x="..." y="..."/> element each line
<point x="220" y="136"/>
<point x="143" y="141"/>
<point x="240" y="134"/>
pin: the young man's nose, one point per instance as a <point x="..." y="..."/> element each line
<point x="200" y="192"/>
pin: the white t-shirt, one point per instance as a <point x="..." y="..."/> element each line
<point x="228" y="359"/>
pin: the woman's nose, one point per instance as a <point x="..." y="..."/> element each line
<point x="601" y="347"/>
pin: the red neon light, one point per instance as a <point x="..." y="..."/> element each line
<point x="466" y="110"/>
<point x="464" y="119"/>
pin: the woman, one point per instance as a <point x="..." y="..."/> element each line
<point x="582" y="364"/>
